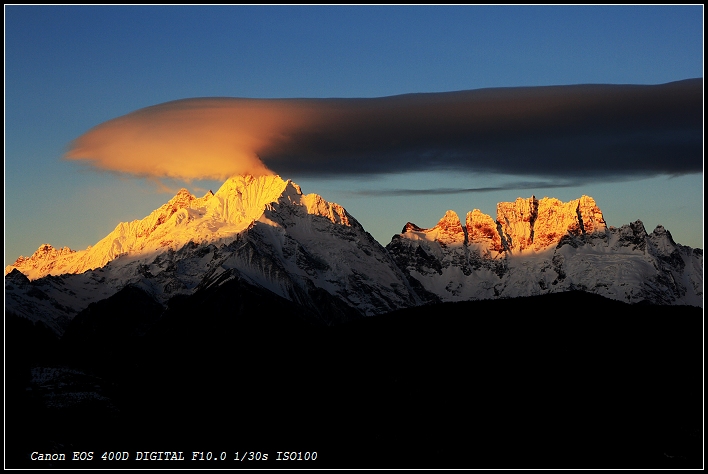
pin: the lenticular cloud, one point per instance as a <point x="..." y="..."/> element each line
<point x="186" y="139"/>
<point x="580" y="131"/>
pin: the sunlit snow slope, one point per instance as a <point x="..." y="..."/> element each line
<point x="262" y="230"/>
<point x="265" y="232"/>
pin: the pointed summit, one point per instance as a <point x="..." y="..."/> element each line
<point x="180" y="200"/>
<point x="591" y="215"/>
<point x="482" y="231"/>
<point x="411" y="227"/>
<point x="215" y="217"/>
<point x="45" y="256"/>
<point x="261" y="231"/>
<point x="449" y="220"/>
<point x="244" y="198"/>
<point x="448" y="230"/>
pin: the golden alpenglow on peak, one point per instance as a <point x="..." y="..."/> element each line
<point x="523" y="225"/>
<point x="214" y="218"/>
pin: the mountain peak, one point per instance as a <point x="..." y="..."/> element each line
<point x="517" y="219"/>
<point x="215" y="217"/>
<point x="482" y="229"/>
<point x="47" y="250"/>
<point x="526" y="224"/>
<point x="238" y="183"/>
<point x="181" y="199"/>
<point x="591" y="215"/>
<point x="44" y="256"/>
<point x="411" y="227"/>
<point x="448" y="231"/>
<point x="537" y="246"/>
<point x="450" y="219"/>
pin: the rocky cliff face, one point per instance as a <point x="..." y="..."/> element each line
<point x="517" y="220"/>
<point x="530" y="224"/>
<point x="542" y="246"/>
<point x="483" y="234"/>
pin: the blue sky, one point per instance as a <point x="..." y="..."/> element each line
<point x="68" y="69"/>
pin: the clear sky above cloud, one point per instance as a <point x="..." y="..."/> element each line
<point x="70" y="69"/>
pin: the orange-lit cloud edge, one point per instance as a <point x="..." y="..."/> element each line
<point x="556" y="131"/>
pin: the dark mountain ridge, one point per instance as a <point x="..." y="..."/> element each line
<point x="265" y="320"/>
<point x="569" y="380"/>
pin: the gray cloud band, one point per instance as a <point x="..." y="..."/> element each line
<point x="486" y="189"/>
<point x="552" y="131"/>
<point x="578" y="131"/>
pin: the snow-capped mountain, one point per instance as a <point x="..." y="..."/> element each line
<point x="262" y="230"/>
<point x="544" y="246"/>
<point x="207" y="294"/>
